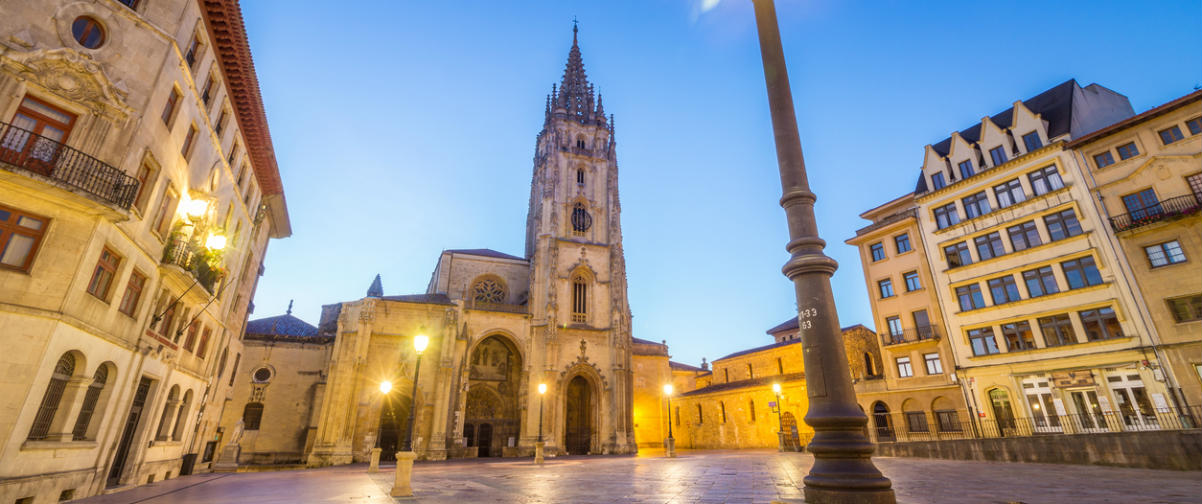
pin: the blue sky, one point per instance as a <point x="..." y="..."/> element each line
<point x="405" y="128"/>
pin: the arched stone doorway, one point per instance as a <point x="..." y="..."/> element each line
<point x="788" y="425"/>
<point x="578" y="428"/>
<point x="882" y="422"/>
<point x="492" y="415"/>
<point x="394" y="416"/>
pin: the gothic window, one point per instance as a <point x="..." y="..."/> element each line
<point x="488" y="290"/>
<point x="579" y="299"/>
<point x="83" y="422"/>
<point x="252" y="414"/>
<point x="53" y="396"/>
<point x="581" y="220"/>
<point x="177" y="433"/>
<point x="168" y="414"/>
<point x="580" y="176"/>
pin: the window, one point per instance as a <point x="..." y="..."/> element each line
<point x="751" y="409"/>
<point x="912" y="281"/>
<point x="581" y="220"/>
<point x="1045" y="180"/>
<point x="1081" y="272"/>
<point x="886" y="287"/>
<point x="750" y="374"/>
<point x="678" y="416"/>
<point x="998" y="155"/>
<point x="1018" y="336"/>
<point x="63" y="370"/>
<point x="162" y="219"/>
<point x="1031" y="141"/>
<point x="902" y="241"/>
<point x="233" y="154"/>
<point x="937" y="181"/>
<point x="132" y="4"/>
<point x="20" y="235"/>
<point x="192" y="55"/>
<point x="207" y="93"/>
<point x="946" y="215"/>
<point x="982" y="341"/>
<point x="903" y="367"/>
<point x="895" y="327"/>
<point x="83" y="422"/>
<point x="1103" y="160"/>
<point x="722" y="408"/>
<point x="102" y="275"/>
<point x="580" y="177"/>
<point x="488" y="290"/>
<point x="146" y="179"/>
<point x="1009" y="193"/>
<point x="989" y="246"/>
<point x="1057" y="330"/>
<point x="1062" y="224"/>
<point x="1194" y="125"/>
<point x="1100" y="324"/>
<point x="1024" y="236"/>
<point x="957" y="255"/>
<point x="966" y="169"/>
<point x="579" y="300"/>
<point x="87" y="32"/>
<point x="934" y="365"/>
<point x="1003" y="290"/>
<point x="1195" y="185"/>
<point x="190" y="341"/>
<point x="252" y="415"/>
<point x="948" y="421"/>
<point x="189" y="140"/>
<point x="1186" y="308"/>
<point x="916" y="421"/>
<point x="700" y="418"/>
<point x="878" y="252"/>
<point x="1170" y="135"/>
<point x="133" y="293"/>
<point x="922" y="325"/>
<point x="172" y="104"/>
<point x="780" y="366"/>
<point x="1165" y="253"/>
<point x="261" y="375"/>
<point x="1142" y="204"/>
<point x="970" y="297"/>
<point x="976" y="205"/>
<point x="1128" y="150"/>
<point x="221" y="122"/>
<point x="202" y="349"/>
<point x="1040" y="281"/>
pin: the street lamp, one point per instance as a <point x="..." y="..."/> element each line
<point x="670" y="443"/>
<point x="215" y="242"/>
<point x="843" y="469"/>
<point x="780" y="425"/>
<point x="404" y="458"/>
<point x="539" y="445"/>
<point x="374" y="465"/>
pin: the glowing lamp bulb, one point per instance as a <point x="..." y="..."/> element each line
<point x="385" y="386"/>
<point x="776" y="387"/>
<point x="668" y="389"/>
<point x="542" y="388"/>
<point x="215" y="242"/>
<point x="420" y="342"/>
<point x="196" y="208"/>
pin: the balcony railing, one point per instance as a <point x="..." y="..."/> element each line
<point x="927" y="425"/>
<point x="1171" y="208"/>
<point x="48" y="157"/>
<point x="911" y="335"/>
<point x="190" y="258"/>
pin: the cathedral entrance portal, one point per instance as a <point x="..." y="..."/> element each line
<point x="578" y="429"/>
<point x="492" y="421"/>
<point x="393" y="416"/>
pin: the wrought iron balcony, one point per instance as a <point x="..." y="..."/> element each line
<point x="1169" y="209"/>
<point x="911" y="335"/>
<point x="193" y="259"/>
<point x="49" y="158"/>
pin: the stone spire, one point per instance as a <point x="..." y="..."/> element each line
<point x="376" y="289"/>
<point x="575" y="97"/>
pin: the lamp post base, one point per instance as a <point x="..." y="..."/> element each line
<point x="538" y="452"/>
<point x="780" y="441"/>
<point x="374" y="466"/>
<point x="670" y="447"/>
<point x="404" y="472"/>
<point x="816" y="495"/>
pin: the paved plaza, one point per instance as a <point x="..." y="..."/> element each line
<point x="749" y="476"/>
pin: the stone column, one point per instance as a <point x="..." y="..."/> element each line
<point x="404" y="472"/>
<point x="374" y="466"/>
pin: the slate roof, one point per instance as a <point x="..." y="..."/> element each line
<point x="281" y="325"/>
<point x="680" y="365"/>
<point x="755" y="382"/>
<point x="791" y="324"/>
<point x="485" y="253"/>
<point x="759" y="348"/>
<point x="644" y="342"/>
<point x="1054" y="106"/>
<point x="420" y="298"/>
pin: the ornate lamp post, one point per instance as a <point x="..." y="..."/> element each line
<point x="538" y="446"/>
<point x="404" y="458"/>
<point x="670" y="443"/>
<point x="843" y="469"/>
<point x="780" y="424"/>
<point x="385" y="387"/>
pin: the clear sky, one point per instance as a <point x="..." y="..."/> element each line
<point x="406" y="128"/>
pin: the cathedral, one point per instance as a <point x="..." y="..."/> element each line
<point x="498" y="325"/>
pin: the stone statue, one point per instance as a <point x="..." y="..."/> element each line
<point x="236" y="436"/>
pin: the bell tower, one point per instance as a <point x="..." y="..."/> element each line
<point x="578" y="302"/>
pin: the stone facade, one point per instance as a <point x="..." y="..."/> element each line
<point x="124" y="147"/>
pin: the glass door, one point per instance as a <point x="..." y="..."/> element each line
<point x="1132" y="399"/>
<point x="1090" y="417"/>
<point x="36" y="134"/>
<point x="1039" y="400"/>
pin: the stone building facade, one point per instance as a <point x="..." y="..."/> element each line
<point x="132" y="142"/>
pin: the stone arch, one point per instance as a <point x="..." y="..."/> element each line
<point x="489" y="289"/>
<point x="51" y="413"/>
<point x="492" y="404"/>
<point x="940" y="403"/>
<point x="95" y="401"/>
<point x="1000" y="409"/>
<point x="882" y="421"/>
<point x="581" y="402"/>
<point x="500" y="333"/>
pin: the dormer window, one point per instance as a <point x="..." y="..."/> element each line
<point x="998" y="154"/>
<point x="937" y="181"/>
<point x="1032" y="141"/>
<point x="966" y="169"/>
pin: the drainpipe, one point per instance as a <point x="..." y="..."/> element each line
<point x="1170" y="380"/>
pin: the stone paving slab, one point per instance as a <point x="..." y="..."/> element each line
<point x="748" y="476"/>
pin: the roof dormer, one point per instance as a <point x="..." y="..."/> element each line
<point x="993" y="137"/>
<point x="1030" y="129"/>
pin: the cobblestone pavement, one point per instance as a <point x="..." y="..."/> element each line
<point x="693" y="477"/>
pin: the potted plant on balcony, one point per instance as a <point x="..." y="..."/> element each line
<point x="209" y="267"/>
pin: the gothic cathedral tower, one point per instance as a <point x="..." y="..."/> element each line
<point x="578" y="297"/>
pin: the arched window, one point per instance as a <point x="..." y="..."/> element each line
<point x="90" y="399"/>
<point x="579" y="299"/>
<point x="252" y="414"/>
<point x="168" y="414"/>
<point x="181" y="419"/>
<point x="581" y="220"/>
<point x="53" y="396"/>
<point x="488" y="290"/>
<point x="869" y="368"/>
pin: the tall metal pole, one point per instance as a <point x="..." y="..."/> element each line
<point x="669" y="416"/>
<point x="408" y="446"/>
<point x="843" y="471"/>
<point x="780" y="426"/>
<point x="540" y="418"/>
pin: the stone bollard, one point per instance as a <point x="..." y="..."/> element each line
<point x="670" y="447"/>
<point x="538" y="452"/>
<point x="404" y="471"/>
<point x="375" y="461"/>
